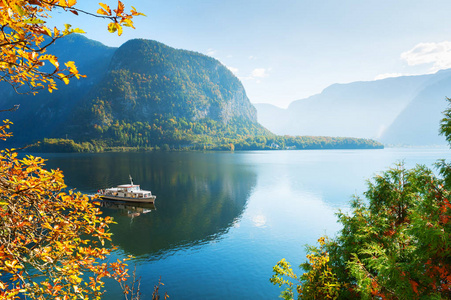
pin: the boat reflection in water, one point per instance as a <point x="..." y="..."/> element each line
<point x="128" y="209"/>
<point x="204" y="195"/>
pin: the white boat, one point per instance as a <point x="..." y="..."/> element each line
<point x="127" y="192"/>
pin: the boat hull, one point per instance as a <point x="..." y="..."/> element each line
<point x="150" y="199"/>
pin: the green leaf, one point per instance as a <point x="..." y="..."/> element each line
<point x="34" y="21"/>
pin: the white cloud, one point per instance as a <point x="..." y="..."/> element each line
<point x="437" y="54"/>
<point x="259" y="221"/>
<point x="211" y="52"/>
<point x="233" y="70"/>
<point x="259" y="73"/>
<point x="251" y="57"/>
<point x="435" y="57"/>
<point x="388" y="75"/>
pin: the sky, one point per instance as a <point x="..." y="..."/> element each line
<point x="286" y="50"/>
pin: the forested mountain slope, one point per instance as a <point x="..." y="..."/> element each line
<point x="147" y="95"/>
<point x="44" y="114"/>
<point x="153" y="94"/>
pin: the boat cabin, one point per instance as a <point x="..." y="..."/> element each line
<point x="127" y="192"/>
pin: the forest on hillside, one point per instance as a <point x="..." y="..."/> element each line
<point x="171" y="133"/>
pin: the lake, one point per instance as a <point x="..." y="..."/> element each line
<point x="222" y="220"/>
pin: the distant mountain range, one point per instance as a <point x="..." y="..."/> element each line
<point x="396" y="111"/>
<point x="146" y="95"/>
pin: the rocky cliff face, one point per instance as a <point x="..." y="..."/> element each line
<point x="146" y="79"/>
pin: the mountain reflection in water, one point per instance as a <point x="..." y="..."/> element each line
<point x="223" y="220"/>
<point x="199" y="196"/>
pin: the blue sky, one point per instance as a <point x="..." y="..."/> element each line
<point x="285" y="50"/>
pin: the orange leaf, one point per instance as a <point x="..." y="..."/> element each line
<point x="106" y="8"/>
<point x="414" y="286"/>
<point x="101" y="11"/>
<point x="120" y="8"/>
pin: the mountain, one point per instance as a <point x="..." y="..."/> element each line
<point x="146" y="95"/>
<point x="130" y="89"/>
<point x="148" y="81"/>
<point x="193" y="86"/>
<point x="43" y="114"/>
<point x="140" y="84"/>
<point x="418" y="123"/>
<point x="403" y="110"/>
<point x="154" y="95"/>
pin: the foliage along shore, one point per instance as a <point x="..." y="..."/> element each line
<point x="249" y="143"/>
<point x="393" y="244"/>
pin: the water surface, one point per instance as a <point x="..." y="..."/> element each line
<point x="222" y="220"/>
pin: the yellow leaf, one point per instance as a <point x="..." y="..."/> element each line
<point x="78" y="30"/>
<point x="54" y="61"/>
<point x="70" y="65"/>
<point x="135" y="13"/>
<point x="71" y="3"/>
<point x="128" y="23"/>
<point x="64" y="78"/>
<point x="106" y="8"/>
<point x="112" y="27"/>
<point x="119" y="29"/>
<point x="67" y="29"/>
<point x="101" y="11"/>
<point x="47" y="31"/>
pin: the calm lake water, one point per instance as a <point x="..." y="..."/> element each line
<point x="223" y="220"/>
